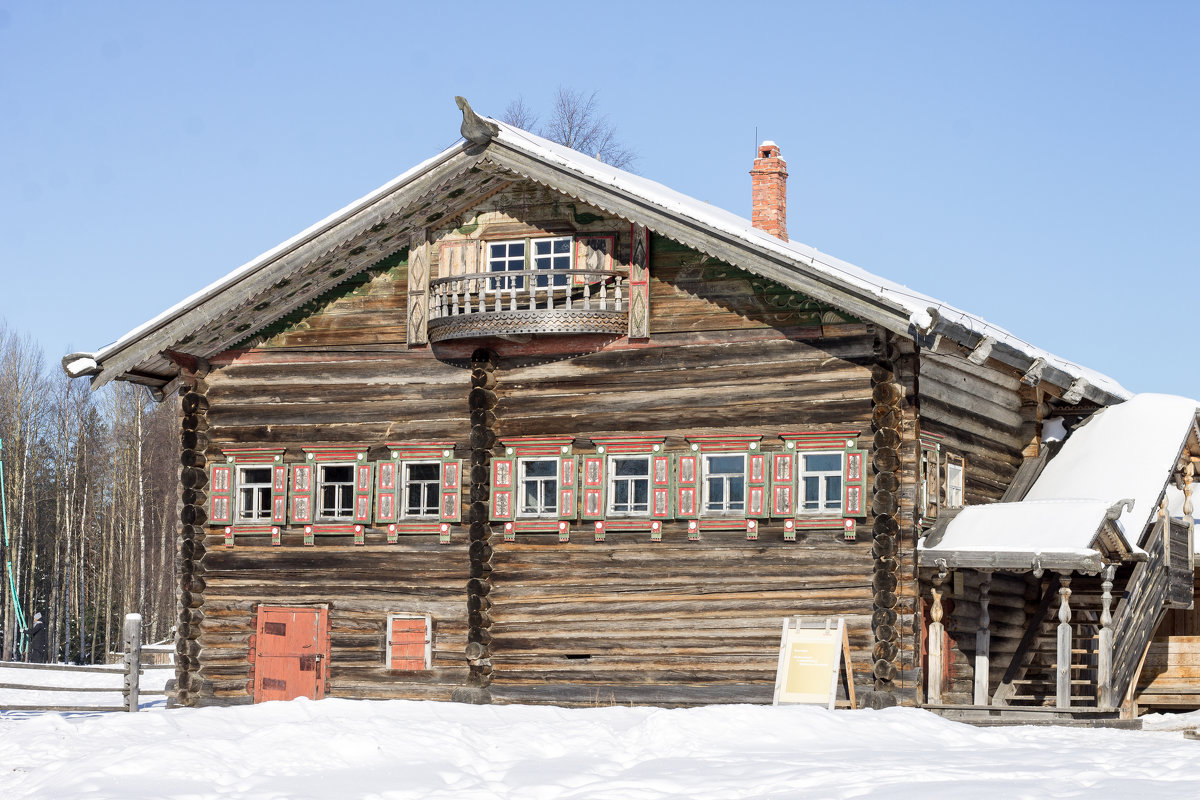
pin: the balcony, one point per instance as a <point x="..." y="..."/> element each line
<point x="526" y="302"/>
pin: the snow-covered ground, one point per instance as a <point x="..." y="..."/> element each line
<point x="153" y="680"/>
<point x="387" y="750"/>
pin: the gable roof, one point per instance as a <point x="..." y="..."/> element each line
<point x="371" y="228"/>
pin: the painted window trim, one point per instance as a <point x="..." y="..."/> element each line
<point x="706" y="512"/>
<point x="519" y="481"/>
<point x="801" y="473"/>
<point x="402" y="513"/>
<point x="364" y="496"/>
<point x="959" y="463"/>
<point x="240" y="484"/>
<point x="387" y="653"/>
<point x="611" y="478"/>
<point x="235" y="460"/>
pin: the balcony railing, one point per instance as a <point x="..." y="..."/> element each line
<point x="528" y="302"/>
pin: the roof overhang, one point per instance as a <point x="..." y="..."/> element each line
<point x="202" y="325"/>
<point x="1061" y="535"/>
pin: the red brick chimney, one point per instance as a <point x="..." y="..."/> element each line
<point x="768" y="181"/>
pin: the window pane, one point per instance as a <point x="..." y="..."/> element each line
<point x="256" y="475"/>
<point x="424" y="472"/>
<point x="716" y="492"/>
<point x="812" y="489"/>
<point x="641" y="493"/>
<point x="823" y="462"/>
<point x="725" y="465"/>
<point x="538" y="469"/>
<point x="338" y="474"/>
<point x="432" y="490"/>
<point x="632" y="466"/>
<point x="621" y="495"/>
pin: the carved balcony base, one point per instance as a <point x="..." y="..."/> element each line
<point x="520" y="325"/>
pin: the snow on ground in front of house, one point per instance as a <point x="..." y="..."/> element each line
<point x="387" y="750"/>
<point x="153" y="680"/>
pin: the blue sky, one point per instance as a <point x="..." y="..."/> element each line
<point x="1034" y="163"/>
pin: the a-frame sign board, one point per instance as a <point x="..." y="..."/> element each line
<point x="812" y="654"/>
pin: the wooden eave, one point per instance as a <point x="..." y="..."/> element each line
<point x="233" y="309"/>
<point x="335" y="250"/>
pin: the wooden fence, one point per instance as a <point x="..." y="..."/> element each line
<point x="131" y="670"/>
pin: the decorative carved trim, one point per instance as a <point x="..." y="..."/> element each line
<point x="509" y="323"/>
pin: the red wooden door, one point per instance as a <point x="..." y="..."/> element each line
<point x="291" y="653"/>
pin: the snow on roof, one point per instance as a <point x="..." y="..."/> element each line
<point x="1127" y="450"/>
<point x="908" y="303"/>
<point x="1052" y="533"/>
<point x="913" y="304"/>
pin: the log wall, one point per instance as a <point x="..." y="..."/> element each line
<point x="625" y="620"/>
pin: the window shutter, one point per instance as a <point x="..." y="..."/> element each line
<point x="362" y="492"/>
<point x="278" y="494"/>
<point x="387" y="486"/>
<point x="853" y="480"/>
<point x="594" y="486"/>
<point x="687" y="485"/>
<point x="568" y="494"/>
<point x="303" y="494"/>
<point x="783" y="484"/>
<point x="451" y="505"/>
<point x="756" y="485"/>
<point x="220" y="494"/>
<point x="503" y="490"/>
<point x="660" y="486"/>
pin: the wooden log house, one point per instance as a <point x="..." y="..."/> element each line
<point x="522" y="427"/>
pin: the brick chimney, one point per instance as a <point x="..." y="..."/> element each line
<point x="768" y="182"/>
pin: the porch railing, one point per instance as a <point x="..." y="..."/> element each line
<point x="529" y="290"/>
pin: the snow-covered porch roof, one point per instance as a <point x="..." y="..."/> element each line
<point x="353" y="239"/>
<point x="1063" y="535"/>
<point x="1095" y="501"/>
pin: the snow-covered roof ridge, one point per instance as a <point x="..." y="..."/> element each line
<point x="905" y="309"/>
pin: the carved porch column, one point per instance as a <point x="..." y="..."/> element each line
<point x="1104" y="689"/>
<point x="983" y="642"/>
<point x="1063" y="699"/>
<point x="937" y="637"/>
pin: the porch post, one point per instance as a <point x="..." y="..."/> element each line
<point x="937" y="635"/>
<point x="983" y="642"/>
<point x="1104" y="698"/>
<point x="1063" y="699"/>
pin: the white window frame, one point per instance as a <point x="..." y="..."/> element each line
<point x="351" y="486"/>
<point x="956" y="485"/>
<point x="614" y="479"/>
<point x="536" y="262"/>
<point x="405" y="482"/>
<point x="706" y="508"/>
<point x="494" y="285"/>
<point x="542" y="512"/>
<point x="263" y="514"/>
<point x="823" y="505"/>
<point x="387" y="653"/>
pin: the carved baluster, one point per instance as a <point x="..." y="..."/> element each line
<point x="937" y="635"/>
<point x="567" y="291"/>
<point x="1188" y="519"/>
<point x="1104" y="698"/>
<point x="454" y="288"/>
<point x="983" y="642"/>
<point x="604" y="294"/>
<point x="1063" y="699"/>
<point x="617" y="288"/>
<point x="587" y="294"/>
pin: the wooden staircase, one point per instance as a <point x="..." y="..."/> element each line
<point x="1032" y="678"/>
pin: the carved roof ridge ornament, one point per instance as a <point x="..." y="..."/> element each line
<point x="475" y="129"/>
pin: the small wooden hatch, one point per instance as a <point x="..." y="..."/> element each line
<point x="410" y="641"/>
